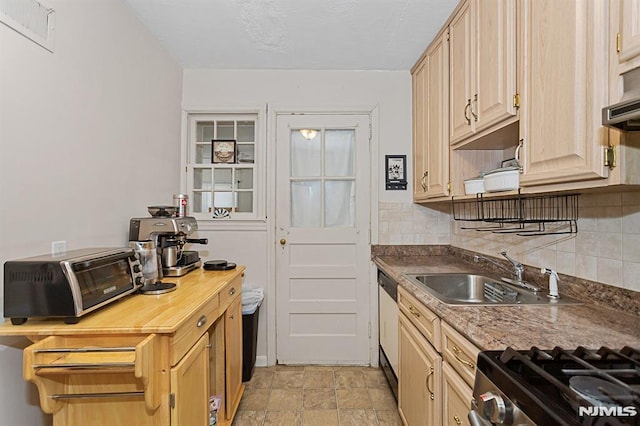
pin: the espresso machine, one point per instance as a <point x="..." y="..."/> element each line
<point x="169" y="235"/>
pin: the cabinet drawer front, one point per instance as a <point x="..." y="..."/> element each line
<point x="229" y="292"/>
<point x="426" y="321"/>
<point x="191" y="330"/>
<point x="460" y="353"/>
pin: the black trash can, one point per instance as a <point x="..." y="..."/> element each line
<point x="249" y="343"/>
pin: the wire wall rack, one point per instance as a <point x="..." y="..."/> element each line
<point x="523" y="215"/>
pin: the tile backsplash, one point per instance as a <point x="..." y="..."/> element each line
<point x="408" y="224"/>
<point x="606" y="248"/>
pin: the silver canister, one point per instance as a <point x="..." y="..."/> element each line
<point x="181" y="201"/>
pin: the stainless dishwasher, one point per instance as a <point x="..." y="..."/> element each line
<point x="388" y="328"/>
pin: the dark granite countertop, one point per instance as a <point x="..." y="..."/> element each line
<point x="496" y="327"/>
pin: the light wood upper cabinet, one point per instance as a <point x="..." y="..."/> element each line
<point x="461" y="121"/>
<point x="628" y="45"/>
<point x="565" y="86"/>
<point x="482" y="42"/>
<point x="430" y="132"/>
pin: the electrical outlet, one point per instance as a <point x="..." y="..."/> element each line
<point x="58" y="248"/>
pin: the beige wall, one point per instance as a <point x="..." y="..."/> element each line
<point x="388" y="92"/>
<point x="89" y="136"/>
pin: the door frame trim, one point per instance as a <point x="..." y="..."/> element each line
<point x="273" y="111"/>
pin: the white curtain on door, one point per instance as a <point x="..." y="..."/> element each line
<point x="326" y="160"/>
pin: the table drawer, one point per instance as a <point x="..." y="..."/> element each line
<point x="460" y="353"/>
<point x="230" y="291"/>
<point x="426" y="321"/>
<point x="193" y="328"/>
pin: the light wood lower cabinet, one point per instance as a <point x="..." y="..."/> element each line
<point x="419" y="384"/>
<point x="437" y="367"/>
<point x="233" y="356"/>
<point x="457" y="395"/>
<point x="189" y="387"/>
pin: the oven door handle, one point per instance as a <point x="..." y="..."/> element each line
<point x="477" y="420"/>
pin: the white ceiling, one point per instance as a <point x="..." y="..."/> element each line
<point x="295" y="34"/>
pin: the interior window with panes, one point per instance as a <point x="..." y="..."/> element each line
<point x="221" y="166"/>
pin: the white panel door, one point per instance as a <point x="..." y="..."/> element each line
<point x="322" y="239"/>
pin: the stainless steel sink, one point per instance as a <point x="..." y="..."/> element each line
<point x="470" y="289"/>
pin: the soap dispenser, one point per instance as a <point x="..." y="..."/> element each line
<point x="553" y="282"/>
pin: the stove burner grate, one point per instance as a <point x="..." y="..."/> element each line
<point x="566" y="380"/>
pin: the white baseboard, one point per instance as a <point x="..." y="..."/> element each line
<point x="261" y="361"/>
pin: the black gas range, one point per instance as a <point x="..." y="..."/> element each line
<point x="557" y="387"/>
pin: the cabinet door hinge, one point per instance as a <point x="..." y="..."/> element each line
<point x="610" y="157"/>
<point x="369" y="330"/>
<point x="618" y="42"/>
<point x="172" y="400"/>
<point x="449" y="187"/>
<point x="516" y="100"/>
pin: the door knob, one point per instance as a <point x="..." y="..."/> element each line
<point x="283" y="241"/>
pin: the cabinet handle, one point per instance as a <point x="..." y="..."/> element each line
<point x="517" y="153"/>
<point x="232" y="291"/>
<point x="414" y="312"/>
<point x="457" y="420"/>
<point x="456" y="350"/>
<point x="433" y="396"/>
<point x="425" y="175"/>
<point x="475" y="101"/>
<point x="202" y="321"/>
<point x="466" y="109"/>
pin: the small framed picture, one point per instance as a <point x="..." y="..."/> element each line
<point x="396" y="172"/>
<point x="223" y="151"/>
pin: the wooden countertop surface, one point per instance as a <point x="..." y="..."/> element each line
<point x="521" y="327"/>
<point x="137" y="313"/>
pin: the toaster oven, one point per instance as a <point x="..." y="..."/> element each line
<point x="70" y="285"/>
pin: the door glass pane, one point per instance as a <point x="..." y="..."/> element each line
<point x="305" y="155"/>
<point x="203" y="153"/>
<point x="246" y="131"/>
<point x="225" y="130"/>
<point x="202" y="179"/>
<point x="204" y="131"/>
<point x="339" y="203"/>
<point x="246" y="153"/>
<point x="245" y="202"/>
<point x="306" y="204"/>
<point x="244" y="178"/>
<point x="223" y="179"/>
<point x="201" y="202"/>
<point x="339" y="148"/>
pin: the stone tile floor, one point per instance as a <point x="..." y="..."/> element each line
<point x="317" y="395"/>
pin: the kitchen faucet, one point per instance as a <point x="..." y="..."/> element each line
<point x="518" y="271"/>
<point x="517" y="266"/>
